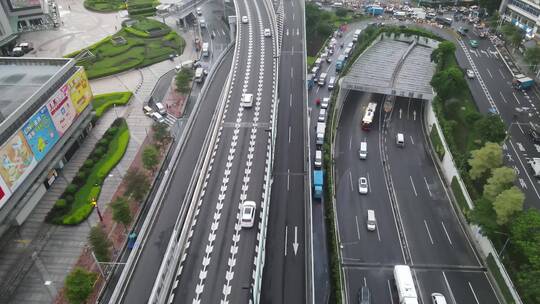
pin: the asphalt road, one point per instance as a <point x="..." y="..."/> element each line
<point x="284" y="278"/>
<point x="219" y="262"/>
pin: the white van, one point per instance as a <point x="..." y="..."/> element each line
<point x="362" y="152"/>
<point x="322" y="79"/>
<point x="437" y="298"/>
<point x="318" y="62"/>
<point x="331" y="82"/>
<point x="371" y="221"/>
<point x="157" y="117"/>
<point x="400" y="140"/>
<point x="318" y="159"/>
<point x="161" y="108"/>
<point x="147" y="110"/>
<point x="246" y="101"/>
<point x="199" y="75"/>
<point x="322" y="115"/>
<point x="356" y="35"/>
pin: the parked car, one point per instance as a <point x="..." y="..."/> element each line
<point x="470" y="74"/>
<point x="534" y="135"/>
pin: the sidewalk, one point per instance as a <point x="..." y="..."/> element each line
<point x="55" y="249"/>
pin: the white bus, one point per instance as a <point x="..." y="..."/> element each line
<point x="405" y="285"/>
<point x="368" y="116"/>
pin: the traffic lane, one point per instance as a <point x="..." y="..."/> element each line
<point x="471" y="287"/>
<point x="421" y="208"/>
<point x="379" y="281"/>
<point x="433" y="281"/>
<point x="151" y="256"/>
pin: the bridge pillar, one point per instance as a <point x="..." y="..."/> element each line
<point x="232" y="26"/>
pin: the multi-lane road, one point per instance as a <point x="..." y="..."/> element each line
<point x="284" y="279"/>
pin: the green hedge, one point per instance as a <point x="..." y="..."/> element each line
<point x="104" y="6"/>
<point x="101" y="103"/>
<point x="492" y="265"/>
<point x="73" y="209"/>
<point x="437" y="143"/>
<point x="460" y="197"/>
<point x="136" y="32"/>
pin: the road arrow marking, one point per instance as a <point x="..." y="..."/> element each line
<point x="414" y="114"/>
<point x="295" y="244"/>
<point x="400" y="111"/>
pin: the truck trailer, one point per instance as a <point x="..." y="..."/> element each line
<point x="405" y="285"/>
<point x="521" y="82"/>
<point x="535" y="166"/>
<point x="340" y="62"/>
<point x="317" y="184"/>
<point x="321" y="128"/>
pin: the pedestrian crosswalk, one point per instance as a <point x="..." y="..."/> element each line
<point x="169" y="119"/>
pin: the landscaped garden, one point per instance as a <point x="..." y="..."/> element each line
<point x="105" y="6"/>
<point x="102" y="103"/>
<point x="140" y="42"/>
<point x="75" y="204"/>
<point x="134" y="7"/>
<point x="142" y="7"/>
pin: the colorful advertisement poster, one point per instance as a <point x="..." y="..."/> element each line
<point x="17" y="160"/>
<point x="79" y="90"/>
<point x="40" y="133"/>
<point x="4" y="192"/>
<point x="61" y="109"/>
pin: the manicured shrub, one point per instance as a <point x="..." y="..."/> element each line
<point x="79" y="285"/>
<point x="88" y="163"/>
<point x="81" y="175"/>
<point x="103" y="143"/>
<point x="68" y="198"/>
<point x="71" y="189"/>
<point x="97" y="154"/>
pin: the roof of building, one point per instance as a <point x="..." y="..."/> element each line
<point x="21" y="78"/>
<point x="393" y="67"/>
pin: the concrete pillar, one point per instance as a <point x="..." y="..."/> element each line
<point x="232" y="26"/>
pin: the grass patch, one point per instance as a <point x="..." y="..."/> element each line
<point x="310" y="60"/>
<point x="437" y="143"/>
<point x="141" y="48"/>
<point x="460" y="197"/>
<point x="75" y="203"/>
<point x="104" y="6"/>
<point x="101" y="103"/>
<point x="492" y="265"/>
<point x="142" y="7"/>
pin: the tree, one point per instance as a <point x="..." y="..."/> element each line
<point x="442" y="52"/>
<point x="491" y="128"/>
<point x="529" y="281"/>
<point x="525" y="235"/>
<point x="150" y="157"/>
<point x="137" y="184"/>
<point x="183" y="80"/>
<point x="161" y="133"/>
<point x="325" y="29"/>
<point x="79" y="285"/>
<point x="341" y="12"/>
<point x="501" y="179"/>
<point x="484" y="159"/>
<point x="490" y="5"/>
<point x="532" y="56"/>
<point x="100" y="244"/>
<point x="121" y="212"/>
<point x="507" y="204"/>
<point x="484" y="215"/>
<point x="448" y="81"/>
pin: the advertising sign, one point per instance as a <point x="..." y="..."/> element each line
<point x="4" y="192"/>
<point x="19" y="4"/>
<point x="17" y="160"/>
<point x="62" y="110"/>
<point x="40" y="133"/>
<point x="79" y="90"/>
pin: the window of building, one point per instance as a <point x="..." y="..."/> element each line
<point x="526" y="7"/>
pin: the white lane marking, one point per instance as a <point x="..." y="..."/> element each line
<point x="288" y="178"/>
<point x="517" y="100"/>
<point x="289" y="134"/>
<point x="474" y="294"/>
<point x="502" y="75"/>
<point x="520" y="146"/>
<point x="490" y="75"/>
<point x="390" y="292"/>
<point x="293" y="16"/>
<point x="369" y="182"/>
<point x="412" y="140"/>
<point x="292" y="72"/>
<point x="290" y="101"/>
<point x="295" y="243"/>
<point x="429" y="233"/>
<point x="520" y="128"/>
<point x="378" y="235"/>
<point x="286" y="232"/>
<point x="449" y="288"/>
<point x="357" y="227"/>
<point x="350" y="143"/>
<point x="446" y="232"/>
<point x="365" y="281"/>
<point x="414" y="188"/>
<point x="502" y="96"/>
<point x="427" y="186"/>
<point x="350" y="179"/>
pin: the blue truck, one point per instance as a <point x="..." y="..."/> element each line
<point x="340" y="62"/>
<point x="521" y="82"/>
<point x="317" y="184"/>
<point x="374" y="10"/>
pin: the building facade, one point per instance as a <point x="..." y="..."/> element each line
<point x="45" y="113"/>
<point x="522" y="13"/>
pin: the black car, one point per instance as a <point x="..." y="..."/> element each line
<point x="364" y="296"/>
<point x="535" y="135"/>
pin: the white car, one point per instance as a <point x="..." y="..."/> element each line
<point x="199" y="11"/>
<point x="248" y="214"/>
<point x="324" y="102"/>
<point x="470" y="74"/>
<point x="202" y="23"/>
<point x="362" y="185"/>
<point x="267" y="32"/>
<point x="244" y="19"/>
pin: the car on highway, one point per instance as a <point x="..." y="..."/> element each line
<point x="462" y="31"/>
<point x="473" y="43"/>
<point x="470" y="74"/>
<point x="437" y="298"/>
<point x="534" y="135"/>
<point x="332" y="82"/>
<point x="324" y="103"/>
<point x="199" y="11"/>
<point x="247" y="219"/>
<point x="371" y="223"/>
<point x="267" y="32"/>
<point x="362" y="185"/>
<point x="244" y="19"/>
<point x="202" y="23"/>
<point x="364" y="295"/>
<point x="322" y="115"/>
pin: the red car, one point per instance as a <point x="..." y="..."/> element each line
<point x="318" y="101"/>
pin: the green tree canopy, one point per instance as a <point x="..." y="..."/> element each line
<point x="443" y="51"/>
<point x="161" y="132"/>
<point x="150" y="157"/>
<point x="79" y="285"/>
<point x="137" y="184"/>
<point x="100" y="244"/>
<point x="491" y="128"/>
<point x="121" y="212"/>
<point x="525" y="235"/>
<point x="484" y="215"/>
<point x="448" y="81"/>
<point x="485" y="159"/>
<point x="507" y="204"/>
<point x="501" y="179"/>
<point x="183" y="80"/>
<point x="532" y="56"/>
<point x="529" y="280"/>
<point x="341" y="12"/>
<point x="490" y="5"/>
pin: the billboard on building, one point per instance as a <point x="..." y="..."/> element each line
<point x="4" y="192"/>
<point x="79" y="90"/>
<point x="17" y="160"/>
<point x="40" y="133"/>
<point x="62" y="111"/>
<point x="20" y="4"/>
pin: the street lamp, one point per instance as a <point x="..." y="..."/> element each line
<point x="95" y="205"/>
